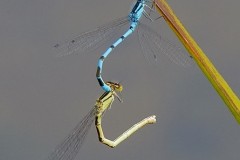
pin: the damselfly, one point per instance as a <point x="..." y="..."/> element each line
<point x="151" y="42"/>
<point x="68" y="149"/>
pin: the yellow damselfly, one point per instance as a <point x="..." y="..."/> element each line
<point x="68" y="149"/>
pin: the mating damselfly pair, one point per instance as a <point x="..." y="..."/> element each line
<point x="151" y="43"/>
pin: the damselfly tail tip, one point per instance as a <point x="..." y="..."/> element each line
<point x="152" y="119"/>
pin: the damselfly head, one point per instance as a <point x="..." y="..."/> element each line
<point x="115" y="86"/>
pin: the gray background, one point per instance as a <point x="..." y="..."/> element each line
<point x="43" y="97"/>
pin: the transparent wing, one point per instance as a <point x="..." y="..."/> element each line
<point x="70" y="146"/>
<point x="89" y="41"/>
<point x="152" y="44"/>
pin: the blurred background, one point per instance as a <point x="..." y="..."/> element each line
<point x="42" y="97"/>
